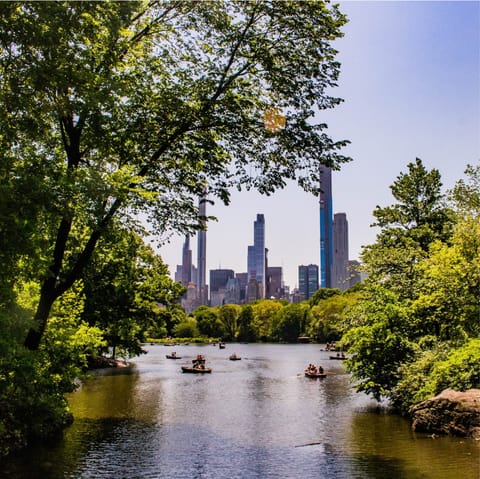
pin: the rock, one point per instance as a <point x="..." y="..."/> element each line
<point x="100" y="362"/>
<point x="450" y="412"/>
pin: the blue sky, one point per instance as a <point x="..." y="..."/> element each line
<point x="410" y="79"/>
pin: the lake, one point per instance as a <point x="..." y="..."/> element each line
<point x="255" y="418"/>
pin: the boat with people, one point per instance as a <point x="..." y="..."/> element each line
<point x="312" y="371"/>
<point x="174" y="355"/>
<point x="222" y="345"/>
<point x="234" y="357"/>
<point x="198" y="366"/>
<point x="339" y="356"/>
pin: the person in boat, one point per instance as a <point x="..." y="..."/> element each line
<point x="174" y="354"/>
<point x="320" y="369"/>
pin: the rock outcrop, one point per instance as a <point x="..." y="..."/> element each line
<point x="100" y="362"/>
<point x="450" y="412"/>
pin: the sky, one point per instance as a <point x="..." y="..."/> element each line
<point x="410" y="80"/>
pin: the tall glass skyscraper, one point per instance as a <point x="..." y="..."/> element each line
<point x="256" y="254"/>
<point x="326" y="227"/>
<point x="308" y="280"/>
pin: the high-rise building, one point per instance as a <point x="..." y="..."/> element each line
<point x="232" y="291"/>
<point x="202" y="253"/>
<point x="219" y="278"/>
<point x="186" y="262"/>
<point x="243" y="281"/>
<point x="308" y="280"/>
<point x="274" y="282"/>
<point x="326" y="226"/>
<point x="340" y="273"/>
<point x="257" y="255"/>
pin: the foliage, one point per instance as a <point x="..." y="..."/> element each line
<point x="128" y="290"/>
<point x="437" y="369"/>
<point x="228" y="314"/>
<point x="323" y="293"/>
<point x="290" y="322"/>
<point x="414" y="329"/>
<point x="246" y="331"/>
<point x="408" y="227"/>
<point x="186" y="329"/>
<point x="32" y="385"/>
<point x="208" y="322"/>
<point x="264" y="312"/>
<point x="379" y="341"/>
<point x="328" y="316"/>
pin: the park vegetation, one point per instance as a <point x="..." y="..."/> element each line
<point x="116" y="118"/>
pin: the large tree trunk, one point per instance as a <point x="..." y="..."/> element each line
<point x="47" y="297"/>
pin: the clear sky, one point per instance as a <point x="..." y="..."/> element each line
<point x="410" y="79"/>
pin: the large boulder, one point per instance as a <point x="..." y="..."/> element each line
<point x="450" y="412"/>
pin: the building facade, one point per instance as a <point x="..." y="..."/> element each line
<point x="326" y="227"/>
<point x="340" y="273"/>
<point x="256" y="258"/>
<point x="274" y="282"/>
<point x="202" y="291"/>
<point x="308" y="280"/>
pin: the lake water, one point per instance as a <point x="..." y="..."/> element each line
<point x="256" y="418"/>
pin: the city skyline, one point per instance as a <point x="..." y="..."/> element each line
<point x="410" y="80"/>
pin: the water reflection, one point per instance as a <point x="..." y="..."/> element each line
<point x="256" y="418"/>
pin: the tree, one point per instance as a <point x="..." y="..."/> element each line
<point x="229" y="314"/>
<point x="323" y="293"/>
<point x="127" y="287"/>
<point x="465" y="195"/>
<point x="246" y="331"/>
<point x="410" y="345"/>
<point x="118" y="108"/>
<point x="420" y="211"/>
<point x="328" y="316"/>
<point x="379" y="339"/>
<point x="290" y="322"/>
<point x="408" y="227"/>
<point x="209" y="322"/>
<point x="264" y="311"/>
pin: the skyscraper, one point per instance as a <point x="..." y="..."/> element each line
<point x="257" y="255"/>
<point x="202" y="254"/>
<point x="274" y="288"/>
<point x="308" y="280"/>
<point x="326" y="220"/>
<point x="186" y="262"/>
<point x="340" y="271"/>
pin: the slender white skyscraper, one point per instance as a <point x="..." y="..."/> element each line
<point x="202" y="254"/>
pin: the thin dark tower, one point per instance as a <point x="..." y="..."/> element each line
<point x="202" y="253"/>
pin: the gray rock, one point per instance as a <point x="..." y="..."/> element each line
<point x="450" y="412"/>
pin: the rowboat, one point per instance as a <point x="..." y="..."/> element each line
<point x="195" y="369"/>
<point x="315" y="375"/>
<point x="234" y="357"/>
<point x="173" y="356"/>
